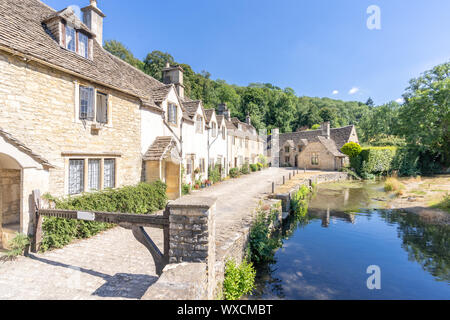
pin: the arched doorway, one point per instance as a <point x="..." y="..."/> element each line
<point x="10" y="198"/>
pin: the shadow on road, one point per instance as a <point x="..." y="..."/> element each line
<point x="120" y="285"/>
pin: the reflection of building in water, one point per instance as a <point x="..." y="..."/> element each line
<point x="326" y="214"/>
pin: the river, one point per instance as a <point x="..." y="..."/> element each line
<point x="349" y="246"/>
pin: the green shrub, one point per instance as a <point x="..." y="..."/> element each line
<point x="315" y="126"/>
<point x="214" y="174"/>
<point x="245" y="169"/>
<point x="351" y="149"/>
<point x="143" y="198"/>
<point x="253" y="167"/>
<point x="186" y="189"/>
<point x="261" y="245"/>
<point x="239" y="280"/>
<point x="260" y="166"/>
<point x="299" y="201"/>
<point x="234" y="172"/>
<point x="263" y="160"/>
<point x="17" y="246"/>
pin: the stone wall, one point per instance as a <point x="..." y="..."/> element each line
<point x="37" y="99"/>
<point x="192" y="234"/>
<point x="197" y="258"/>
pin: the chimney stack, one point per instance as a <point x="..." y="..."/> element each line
<point x="248" y="120"/>
<point x="93" y="19"/>
<point x="174" y="75"/>
<point x="326" y="129"/>
<point x="223" y="110"/>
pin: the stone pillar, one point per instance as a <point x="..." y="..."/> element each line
<point x="192" y="233"/>
<point x="275" y="151"/>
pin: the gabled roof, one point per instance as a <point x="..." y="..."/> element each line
<point x="22" y="147"/>
<point x="22" y="31"/>
<point x="160" y="149"/>
<point x="209" y="113"/>
<point x="191" y="106"/>
<point x="160" y="94"/>
<point x="69" y="15"/>
<point x="330" y="145"/>
<point x="340" y="136"/>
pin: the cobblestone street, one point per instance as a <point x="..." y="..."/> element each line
<point x="113" y="265"/>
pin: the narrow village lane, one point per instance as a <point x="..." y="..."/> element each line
<point x="113" y="265"/>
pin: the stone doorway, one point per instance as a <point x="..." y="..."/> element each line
<point x="10" y="193"/>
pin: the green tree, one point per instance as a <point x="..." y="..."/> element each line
<point x="425" y="115"/>
<point x="155" y="62"/>
<point x="119" y="50"/>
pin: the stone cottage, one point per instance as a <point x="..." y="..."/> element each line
<point x="315" y="149"/>
<point x="74" y="118"/>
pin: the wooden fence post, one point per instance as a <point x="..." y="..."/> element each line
<point x="37" y="238"/>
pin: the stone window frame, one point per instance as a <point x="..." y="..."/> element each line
<point x="287" y="149"/>
<point x="77" y="105"/>
<point x="86" y="159"/>
<point x="315" y="159"/>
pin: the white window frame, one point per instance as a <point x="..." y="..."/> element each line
<point x="174" y="107"/>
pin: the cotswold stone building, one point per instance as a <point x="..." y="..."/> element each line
<point x="74" y="118"/>
<point x="313" y="149"/>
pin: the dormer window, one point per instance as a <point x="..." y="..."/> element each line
<point x="71" y="39"/>
<point x="76" y="41"/>
<point x="214" y="130"/>
<point x="83" y="45"/>
<point x="172" y="114"/>
<point x="199" y="125"/>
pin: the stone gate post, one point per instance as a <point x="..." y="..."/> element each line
<point x="192" y="233"/>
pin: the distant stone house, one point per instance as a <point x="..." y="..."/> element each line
<point x="245" y="145"/>
<point x="316" y="149"/>
<point x="74" y="118"/>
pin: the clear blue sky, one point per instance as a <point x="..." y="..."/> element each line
<point x="314" y="47"/>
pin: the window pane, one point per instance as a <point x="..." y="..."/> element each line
<point x="70" y="39"/>
<point x="109" y="173"/>
<point x="102" y="108"/>
<point x="76" y="176"/>
<point x="94" y="174"/>
<point x="83" y="45"/>
<point x="172" y="113"/>
<point x="86" y="103"/>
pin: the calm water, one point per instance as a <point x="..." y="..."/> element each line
<point x="326" y="255"/>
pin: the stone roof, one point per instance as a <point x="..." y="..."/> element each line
<point x="22" y="147"/>
<point x="159" y="149"/>
<point x="209" y="113"/>
<point x="330" y="145"/>
<point x="219" y="120"/>
<point x="22" y="30"/>
<point x="339" y="135"/>
<point x="69" y="15"/>
<point x="191" y="106"/>
<point x="161" y="93"/>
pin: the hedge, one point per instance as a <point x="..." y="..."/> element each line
<point x="143" y="198"/>
<point x="385" y="160"/>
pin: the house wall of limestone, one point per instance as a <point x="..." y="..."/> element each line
<point x="38" y="106"/>
<point x="326" y="159"/>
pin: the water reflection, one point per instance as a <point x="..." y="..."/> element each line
<point x="325" y="253"/>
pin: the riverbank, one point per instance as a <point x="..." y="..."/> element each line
<point x="421" y="195"/>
